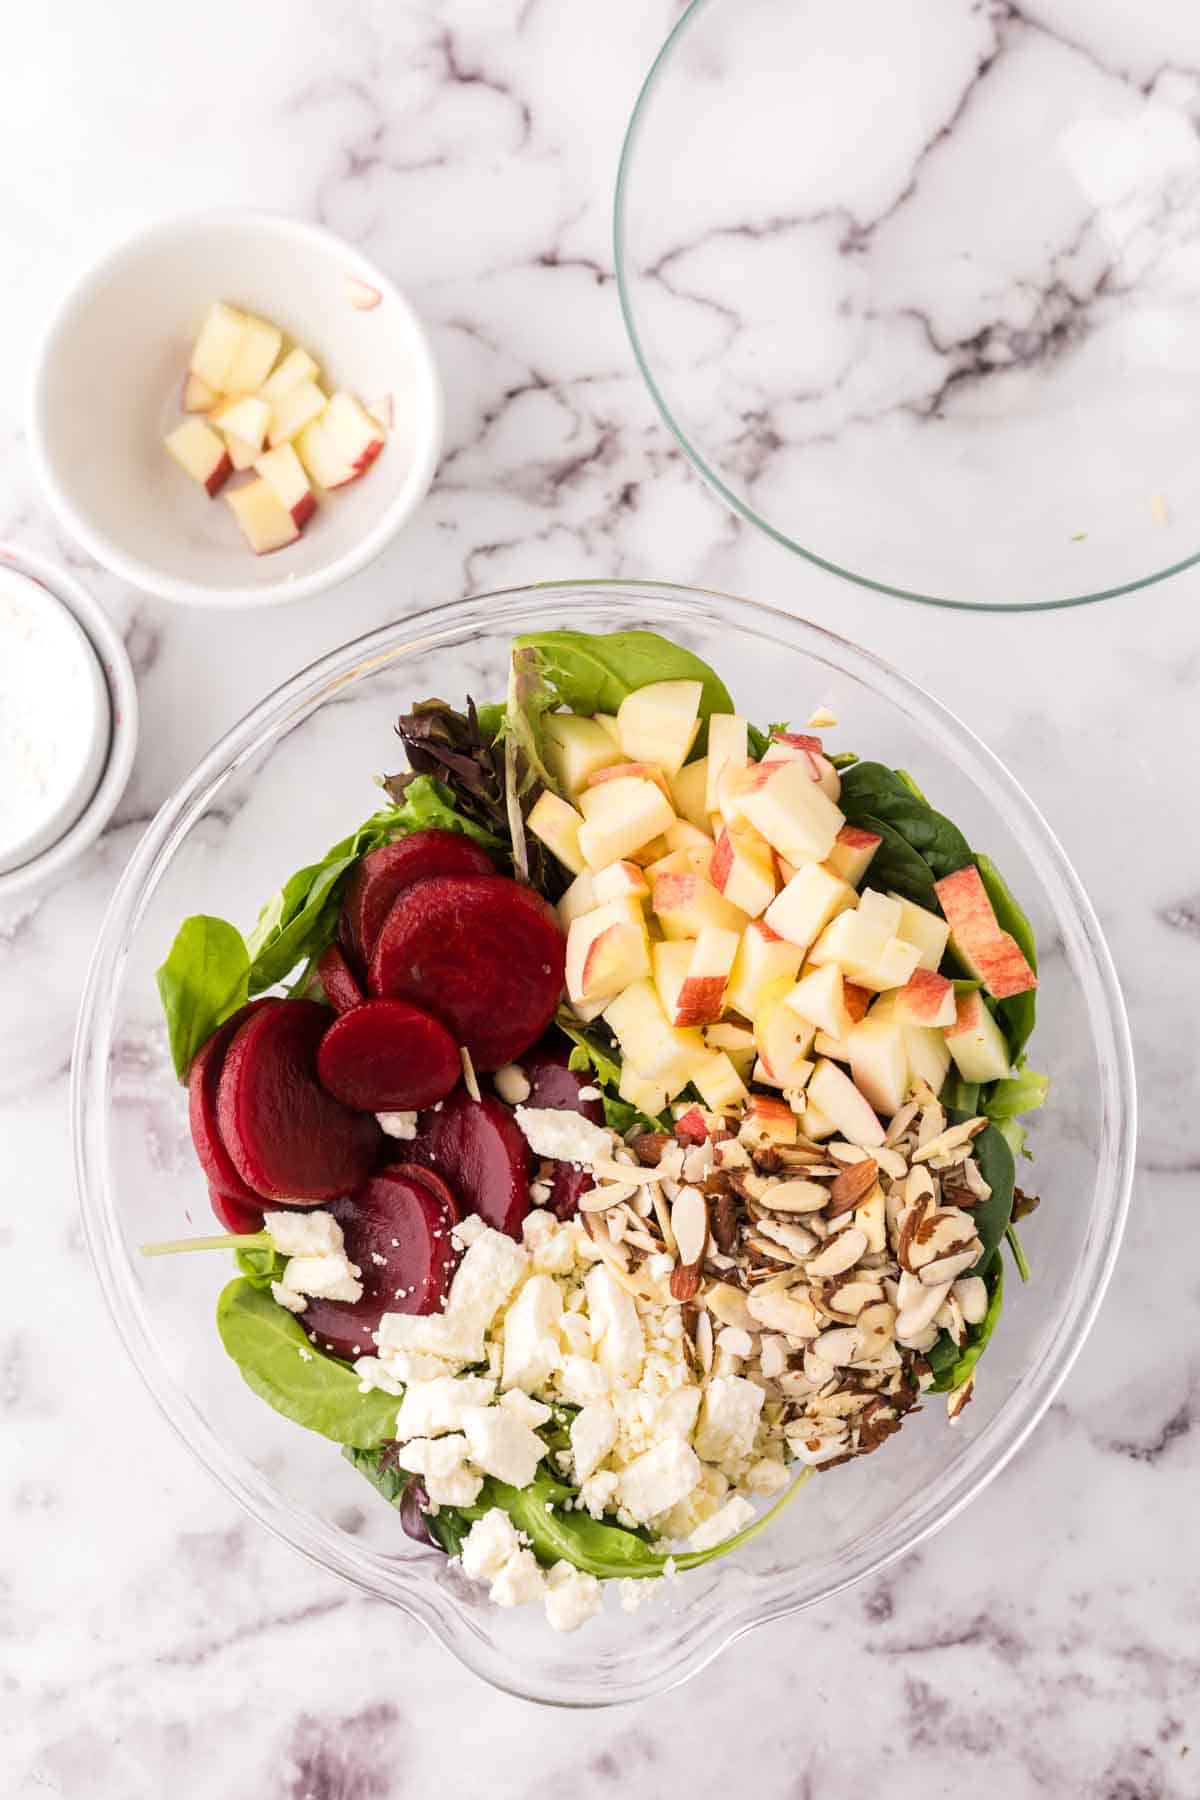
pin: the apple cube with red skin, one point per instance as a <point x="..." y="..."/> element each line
<point x="743" y="869"/>
<point x="285" y="472"/>
<point x="993" y="956"/>
<point x="976" y="1042"/>
<point x="240" y="454"/>
<point x="819" y="997"/>
<point x="217" y="345"/>
<point x="265" y="521"/>
<point x="685" y="904"/>
<point x="556" y="824"/>
<point x="670" y="963"/>
<point x="863" y="953"/>
<point x="924" y="1045"/>
<point x="768" y="1121"/>
<point x="926" y="998"/>
<point x="297" y="366"/>
<point x="805" y="906"/>
<point x="575" y="749"/>
<point x="606" y="950"/>
<point x="793" y="746"/>
<point x="852" y="852"/>
<point x="198" y="450"/>
<point x="701" y="996"/>
<point x="656" y="1049"/>
<point x="831" y="1091"/>
<point x="728" y="747"/>
<point x="620" y="881"/>
<point x="620" y="818"/>
<point x="659" y="723"/>
<point x="341" y="443"/>
<point x="763" y="957"/>
<point x="630" y="771"/>
<point x="789" y="809"/>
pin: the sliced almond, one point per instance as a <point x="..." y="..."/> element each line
<point x="952" y="1138"/>
<point x="361" y="294"/>
<point x="685" y="1282"/>
<point x="839" y="1254"/>
<point x="852" y="1186"/>
<point x="960" y="1398"/>
<point x="689" y="1226"/>
<point x="728" y="1304"/>
<point x="795" y="1318"/>
<point x="704" y="1341"/>
<point x="795" y="1197"/>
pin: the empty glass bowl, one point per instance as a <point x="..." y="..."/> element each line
<point x="292" y="778"/>
<point x="917" y="285"/>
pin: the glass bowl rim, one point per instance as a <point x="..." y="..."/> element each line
<point x="625" y="168"/>
<point x="407" y="1585"/>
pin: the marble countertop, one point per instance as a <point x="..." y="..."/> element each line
<point x="154" y="1641"/>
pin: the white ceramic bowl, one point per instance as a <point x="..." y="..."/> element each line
<point x="106" y="388"/>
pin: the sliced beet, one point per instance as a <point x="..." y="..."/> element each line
<point x="434" y="1182"/>
<point x="383" y="874"/>
<point x="477" y="1147"/>
<point x="203" y="1080"/>
<point x="485" y="954"/>
<point x="557" y="1088"/>
<point x="232" y="1213"/>
<point x="397" y="1230"/>
<point x="339" y="983"/>
<point x="289" y="1139"/>
<point x="388" y="1056"/>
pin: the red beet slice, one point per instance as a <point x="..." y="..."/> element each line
<point x="289" y="1139"/>
<point x="387" y="1056"/>
<point x="557" y="1088"/>
<point x="338" y="981"/>
<point x="486" y="955"/>
<point x="435" y="1184"/>
<point x="400" y="1219"/>
<point x="478" y="1148"/>
<point x="383" y="874"/>
<point x="203" y="1080"/>
<point x="232" y="1213"/>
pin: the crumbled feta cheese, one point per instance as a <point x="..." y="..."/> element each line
<point x="581" y="1381"/>
<point x="563" y="1136"/>
<point x="433" y="1407"/>
<point x="398" y="1124"/>
<point x="658" y="1479"/>
<point x="633" y="1593"/>
<point x="520" y="1581"/>
<point x="501" y="1445"/>
<point x="590" y="1093"/>
<point x="729" y="1415"/>
<point x="372" y="1374"/>
<point x="536" y="1227"/>
<point x="406" y="1366"/>
<point x="486" y="1276"/>
<point x="442" y="1462"/>
<point x="328" y="1277"/>
<point x="593" y="1434"/>
<point x="723" y="1524"/>
<point x="454" y="1341"/>
<point x="295" y="1303"/>
<point x="659" y="1265"/>
<point x="512" y="1084"/>
<point x="572" y="1597"/>
<point x="574" y="1331"/>
<point x="304" y="1233"/>
<point x="557" y="1254"/>
<point x="682" y="1519"/>
<point x="597" y="1493"/>
<point x="467" y="1230"/>
<point x="488" y="1545"/>
<point x="616" y="1328"/>
<point x="531" y="1346"/>
<point x="530" y="1412"/>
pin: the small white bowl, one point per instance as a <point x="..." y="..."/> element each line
<point x="115" y="723"/>
<point x="106" y="386"/>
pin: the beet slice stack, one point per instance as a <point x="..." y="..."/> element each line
<point x="203" y="1081"/>
<point x="388" y="1056"/>
<point x="384" y="874"/>
<point x="479" y="1149"/>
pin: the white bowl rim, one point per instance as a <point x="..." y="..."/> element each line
<point x="409" y="1589"/>
<point x="145" y="576"/>
<point x="117" y="670"/>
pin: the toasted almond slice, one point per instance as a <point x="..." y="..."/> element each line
<point x="689" y="1225"/>
<point x="361" y="294"/>
<point x="851" y="1186"/>
<point x="797" y="1196"/>
<point x="950" y="1139"/>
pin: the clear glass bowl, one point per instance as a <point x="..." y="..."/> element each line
<point x="293" y="777"/>
<point x="916" y="286"/>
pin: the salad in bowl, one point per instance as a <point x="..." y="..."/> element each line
<point x="620" y="1127"/>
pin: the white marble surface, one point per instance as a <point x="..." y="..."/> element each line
<point x="153" y="1641"/>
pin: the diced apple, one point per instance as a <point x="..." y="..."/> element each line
<point x="992" y="956"/>
<point x="297" y="366"/>
<point x="976" y="1042"/>
<point x="880" y="912"/>
<point x="650" y="1097"/>
<point x="717" y="1081"/>
<point x="688" y="789"/>
<point x="925" y="929"/>
<point x="790" y="810"/>
<point x="651" y="853"/>
<point x="265" y="521"/>
<point x="217" y="345"/>
<point x="255" y="358"/>
<point x="685" y="904"/>
<point x="654" y="1046"/>
<point x="555" y="823"/>
<point x="240" y="455"/>
<point x="201" y="454"/>
<point x="863" y="954"/>
<point x="701" y="997"/>
<point x="805" y="906"/>
<point x="833" y="1093"/>
<point x="621" y="817"/>
<point x="579" y="898"/>
<point x="879" y="1063"/>
<point x="743" y="869"/>
<point x="768" y="1121"/>
<point x="198" y="397"/>
<point x="857" y="999"/>
<point x="925" y="1046"/>
<point x="728" y="747"/>
<point x="926" y="998"/>
<point x="620" y="881"/>
<point x="609" y="722"/>
<point x="606" y="950"/>
<point x="852" y="852"/>
<point x="814" y="1123"/>
<point x="682" y="835"/>
<point x="737" y="1041"/>
<point x="675" y="862"/>
<point x="575" y="749"/>
<point x="670" y="963"/>
<point x="659" y="723"/>
<point x="244" y="416"/>
<point x="629" y="771"/>
<point x="836" y="1048"/>
<point x="285" y="472"/>
<point x="781" y="1037"/>
<point x="794" y="746"/>
<point x="819" y="997"/>
<point x="763" y="957"/>
<point x="297" y="414"/>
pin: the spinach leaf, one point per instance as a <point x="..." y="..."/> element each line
<point x="870" y="788"/>
<point x="896" y="866"/>
<point x="593" y="672"/>
<point x="202" y="981"/>
<point x="991" y="1218"/>
<point x="1018" y="1253"/>
<point x="260" y="1267"/>
<point x="960" y="1096"/>
<point x="602" y="1058"/>
<point x="952" y="1365"/>
<point x="1018" y="1014"/>
<point x="277" y="1360"/>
